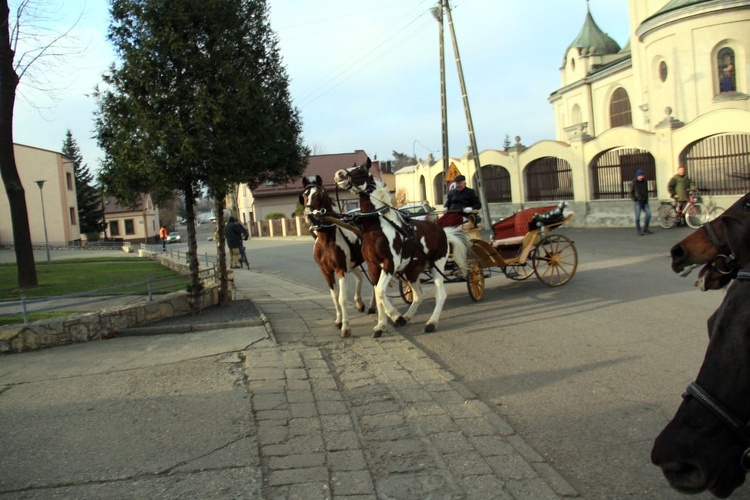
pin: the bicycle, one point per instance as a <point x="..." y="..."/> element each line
<point x="243" y="258"/>
<point x="713" y="210"/>
<point x="694" y="213"/>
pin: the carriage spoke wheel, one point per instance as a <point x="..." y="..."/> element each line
<point x="555" y="260"/>
<point x="405" y="290"/>
<point x="475" y="281"/>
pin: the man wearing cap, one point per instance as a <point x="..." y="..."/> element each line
<point x="639" y="195"/>
<point x="461" y="201"/>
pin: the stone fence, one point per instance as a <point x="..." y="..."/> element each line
<point x="107" y="322"/>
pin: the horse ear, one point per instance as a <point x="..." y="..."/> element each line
<point x="369" y="163"/>
<point x="319" y="180"/>
<point x="305" y="182"/>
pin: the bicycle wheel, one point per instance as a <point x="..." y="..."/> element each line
<point x="696" y="216"/>
<point x="667" y="216"/>
<point x="715" y="212"/>
<point x="243" y="259"/>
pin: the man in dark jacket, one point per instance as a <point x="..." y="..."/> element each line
<point x="234" y="232"/>
<point x="461" y="200"/>
<point x="639" y="195"/>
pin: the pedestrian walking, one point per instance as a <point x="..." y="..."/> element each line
<point x="639" y="195"/>
<point x="163" y="236"/>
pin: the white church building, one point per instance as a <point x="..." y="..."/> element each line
<point x="676" y="94"/>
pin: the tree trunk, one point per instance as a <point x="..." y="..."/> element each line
<point x="16" y="196"/>
<point x="225" y="294"/>
<point x="195" y="288"/>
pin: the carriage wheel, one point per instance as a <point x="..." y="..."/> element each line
<point x="696" y="216"/>
<point x="667" y="216"/>
<point x="555" y="260"/>
<point x="405" y="290"/>
<point x="475" y="281"/>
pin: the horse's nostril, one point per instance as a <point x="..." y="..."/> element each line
<point x="684" y="476"/>
<point x="677" y="252"/>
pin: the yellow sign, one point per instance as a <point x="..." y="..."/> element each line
<point x="453" y="172"/>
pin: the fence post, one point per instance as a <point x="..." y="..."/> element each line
<point x="23" y="308"/>
<point x="148" y="287"/>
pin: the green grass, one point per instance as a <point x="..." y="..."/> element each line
<point x="13" y="320"/>
<point x="69" y="276"/>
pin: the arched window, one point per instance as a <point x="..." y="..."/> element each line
<point x="726" y="70"/>
<point x="619" y="109"/>
<point x="422" y="188"/>
<point x="549" y="179"/>
<point x="575" y="114"/>
<point x="496" y="184"/>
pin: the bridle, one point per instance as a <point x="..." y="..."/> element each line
<point x="311" y="212"/>
<point x="725" y="261"/>
<point x="720" y="411"/>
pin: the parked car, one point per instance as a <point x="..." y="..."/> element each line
<point x="419" y="211"/>
<point x="174" y="237"/>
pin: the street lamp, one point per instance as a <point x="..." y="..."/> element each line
<point x="44" y="220"/>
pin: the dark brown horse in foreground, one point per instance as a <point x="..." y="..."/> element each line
<point x="706" y="446"/>
<point x="337" y="251"/>
<point x="393" y="244"/>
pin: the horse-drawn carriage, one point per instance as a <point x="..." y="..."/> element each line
<point x="521" y="246"/>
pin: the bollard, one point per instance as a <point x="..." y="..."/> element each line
<point x="25" y="313"/>
<point x="148" y="287"/>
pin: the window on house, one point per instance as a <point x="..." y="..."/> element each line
<point x="69" y="180"/>
<point x="129" y="226"/>
<point x="663" y="71"/>
<point x="114" y="228"/>
<point x="726" y="71"/>
<point x="619" y="109"/>
<point x="72" y="216"/>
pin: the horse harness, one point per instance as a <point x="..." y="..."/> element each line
<point x="725" y="261"/>
<point x="720" y="411"/>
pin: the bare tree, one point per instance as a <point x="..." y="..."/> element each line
<point x="13" y="66"/>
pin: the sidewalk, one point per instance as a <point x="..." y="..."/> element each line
<point x="358" y="416"/>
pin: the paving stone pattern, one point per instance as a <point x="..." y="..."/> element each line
<point x="380" y="419"/>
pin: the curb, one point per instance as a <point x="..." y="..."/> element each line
<point x="177" y="329"/>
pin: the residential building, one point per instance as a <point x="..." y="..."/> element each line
<point x="134" y="224"/>
<point x="58" y="192"/>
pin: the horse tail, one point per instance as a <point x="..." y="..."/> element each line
<point x="460" y="242"/>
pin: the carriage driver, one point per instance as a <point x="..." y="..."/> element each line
<point x="461" y="201"/>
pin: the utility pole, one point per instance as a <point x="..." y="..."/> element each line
<point x="472" y="138"/>
<point x="437" y="12"/>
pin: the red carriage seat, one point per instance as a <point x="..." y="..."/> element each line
<point x="511" y="231"/>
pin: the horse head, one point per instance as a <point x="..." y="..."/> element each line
<point x="721" y="246"/>
<point x="314" y="199"/>
<point x="354" y="179"/>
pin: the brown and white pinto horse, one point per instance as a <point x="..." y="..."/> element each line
<point x="393" y="244"/>
<point x="706" y="446"/>
<point x="337" y="251"/>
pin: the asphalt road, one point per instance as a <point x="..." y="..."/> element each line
<point x="588" y="373"/>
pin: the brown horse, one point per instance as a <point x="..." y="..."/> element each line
<point x="337" y="251"/>
<point x="393" y="244"/>
<point x="706" y="446"/>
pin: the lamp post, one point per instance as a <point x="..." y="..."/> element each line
<point x="44" y="220"/>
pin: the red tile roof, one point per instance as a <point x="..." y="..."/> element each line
<point x="323" y="165"/>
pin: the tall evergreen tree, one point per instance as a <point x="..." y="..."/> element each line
<point x="90" y="212"/>
<point x="199" y="100"/>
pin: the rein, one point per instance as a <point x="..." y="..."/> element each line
<point x="720" y="411"/>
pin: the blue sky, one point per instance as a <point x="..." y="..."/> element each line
<point x="365" y="74"/>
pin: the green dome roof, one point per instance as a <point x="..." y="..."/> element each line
<point x="592" y="40"/>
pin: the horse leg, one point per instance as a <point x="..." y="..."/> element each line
<point x="440" y="296"/>
<point x="382" y="303"/>
<point x="416" y="299"/>
<point x="346" y="330"/>
<point x="329" y="277"/>
<point x="358" y="290"/>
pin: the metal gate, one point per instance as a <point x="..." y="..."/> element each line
<point x="719" y="164"/>
<point x="614" y="170"/>
<point x="549" y="179"/>
<point x="496" y="184"/>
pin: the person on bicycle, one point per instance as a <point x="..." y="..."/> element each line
<point x="639" y="195"/>
<point x="679" y="188"/>
<point x="234" y="232"/>
<point x="462" y="200"/>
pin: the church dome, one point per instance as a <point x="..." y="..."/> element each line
<point x="675" y="5"/>
<point x="593" y="41"/>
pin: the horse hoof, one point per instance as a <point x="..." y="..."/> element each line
<point x="401" y="321"/>
<point x="346" y="333"/>
<point x="429" y="328"/>
<point x="372" y="310"/>
<point x="361" y="308"/>
<point x="339" y="325"/>
<point x="377" y="334"/>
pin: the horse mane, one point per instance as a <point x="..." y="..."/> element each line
<point x="381" y="197"/>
